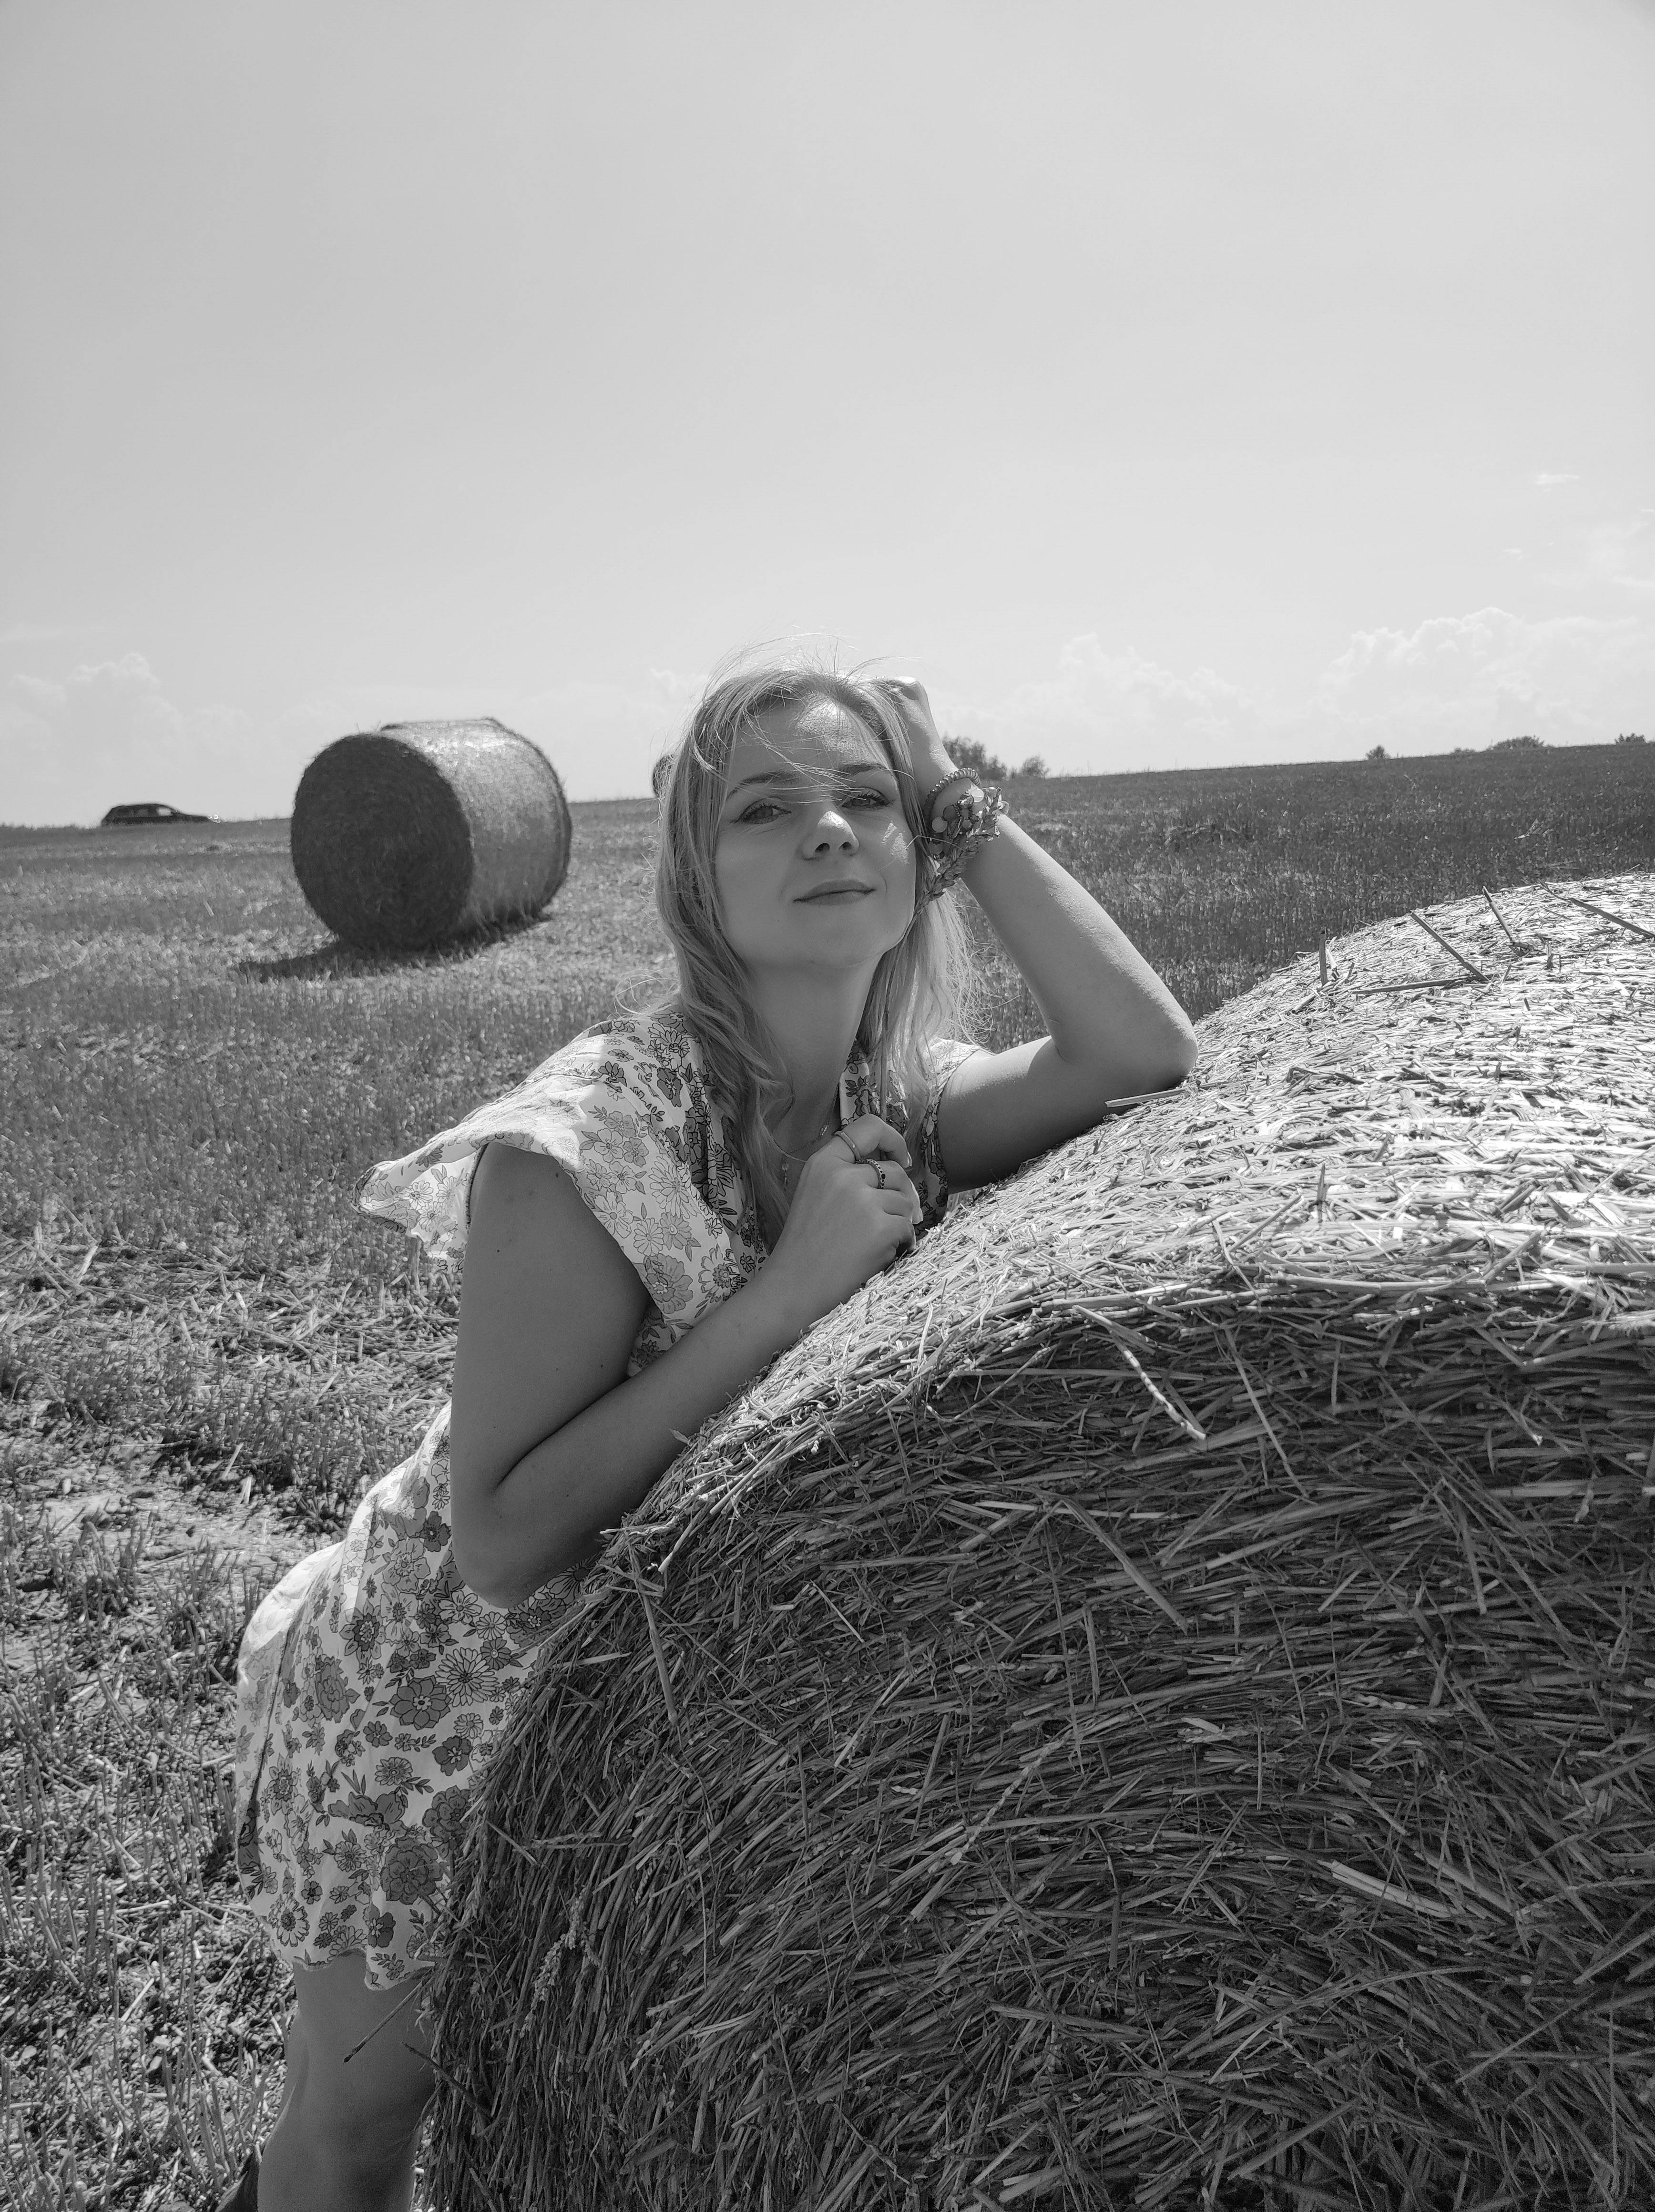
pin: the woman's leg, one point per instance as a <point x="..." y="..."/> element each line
<point x="345" y="2137"/>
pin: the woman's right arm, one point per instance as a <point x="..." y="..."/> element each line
<point x="549" y="1443"/>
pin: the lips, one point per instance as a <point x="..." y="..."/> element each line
<point x="834" y="890"/>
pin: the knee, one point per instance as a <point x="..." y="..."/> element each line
<point x="369" y="2105"/>
<point x="365" y="2076"/>
<point x="369" y="2128"/>
<point x="402" y="2081"/>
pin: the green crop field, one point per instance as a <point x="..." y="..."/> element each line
<point x="205" y="1354"/>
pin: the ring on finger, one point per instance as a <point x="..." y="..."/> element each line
<point x="879" y="1174"/>
<point x="849" y="1146"/>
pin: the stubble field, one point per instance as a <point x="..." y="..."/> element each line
<point x="205" y="1354"/>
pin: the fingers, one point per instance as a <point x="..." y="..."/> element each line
<point x="881" y="1151"/>
<point x="877" y="1149"/>
<point x="905" y="1233"/>
<point x="900" y="1198"/>
<point x="891" y="1179"/>
<point x="868" y="1138"/>
<point x="899" y="1232"/>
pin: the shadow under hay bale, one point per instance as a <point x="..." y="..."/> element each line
<point x="337" y="963"/>
<point x="408" y="835"/>
<point x="1152" y="1703"/>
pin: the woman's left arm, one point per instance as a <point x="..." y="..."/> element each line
<point x="1114" y="1029"/>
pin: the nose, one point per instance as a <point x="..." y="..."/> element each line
<point x="831" y="831"/>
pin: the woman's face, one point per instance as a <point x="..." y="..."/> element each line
<point x="815" y="861"/>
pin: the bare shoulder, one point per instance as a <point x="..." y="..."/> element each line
<point x="505" y="1175"/>
<point x="535" y="1244"/>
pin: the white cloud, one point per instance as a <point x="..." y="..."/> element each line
<point x="1604" y="562"/>
<point x="1454" y="680"/>
<point x="1547" y="476"/>
<point x="107" y="732"/>
<point x="1469" y="679"/>
<point x="1623" y="552"/>
<point x="106" y="735"/>
<point x="1103" y="711"/>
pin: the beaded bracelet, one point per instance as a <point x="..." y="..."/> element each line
<point x="960" y="776"/>
<point x="972" y="819"/>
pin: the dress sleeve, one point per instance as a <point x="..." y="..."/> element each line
<point x="613" y="1116"/>
<point x="929" y="1175"/>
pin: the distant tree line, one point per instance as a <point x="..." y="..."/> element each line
<point x="1523" y="744"/>
<point x="970" y="753"/>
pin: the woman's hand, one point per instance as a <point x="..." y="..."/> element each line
<point x="551" y="1442"/>
<point x="854" y="1210"/>
<point x="926" y="749"/>
<point x="1114" y="1029"/>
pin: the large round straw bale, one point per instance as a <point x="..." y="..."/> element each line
<point x="1152" y="1703"/>
<point x="404" y="835"/>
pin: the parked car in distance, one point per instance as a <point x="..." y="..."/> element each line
<point x="150" y="809"/>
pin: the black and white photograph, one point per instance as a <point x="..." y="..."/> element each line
<point x="827" y="1106"/>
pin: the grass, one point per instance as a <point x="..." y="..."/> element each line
<point x="1221" y="875"/>
<point x="142" y="2021"/>
<point x="206" y="1354"/>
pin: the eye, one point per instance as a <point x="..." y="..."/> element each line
<point x="759" y="811"/>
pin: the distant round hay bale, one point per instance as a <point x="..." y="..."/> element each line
<point x="419" y="831"/>
<point x="1152" y="1703"/>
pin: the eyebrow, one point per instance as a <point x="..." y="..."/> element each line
<point x="795" y="776"/>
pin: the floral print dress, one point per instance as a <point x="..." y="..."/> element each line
<point x="372" y="1683"/>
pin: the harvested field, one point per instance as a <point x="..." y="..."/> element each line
<point x="1150" y="1703"/>
<point x="204" y="1352"/>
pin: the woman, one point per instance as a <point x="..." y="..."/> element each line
<point x="647" y="1220"/>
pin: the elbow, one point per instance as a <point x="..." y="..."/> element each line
<point x="1186" y="1053"/>
<point x="482" y="1571"/>
<point x="1174" y="1058"/>
<point x="495" y="1564"/>
<point x="484" y="1556"/>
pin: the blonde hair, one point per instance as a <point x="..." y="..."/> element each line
<point x="921" y="989"/>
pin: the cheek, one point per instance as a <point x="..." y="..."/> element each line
<point x="736" y="876"/>
<point x="897" y="853"/>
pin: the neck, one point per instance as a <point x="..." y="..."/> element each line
<point x="813" y="1023"/>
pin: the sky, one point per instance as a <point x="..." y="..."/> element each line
<point x="1163" y="382"/>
